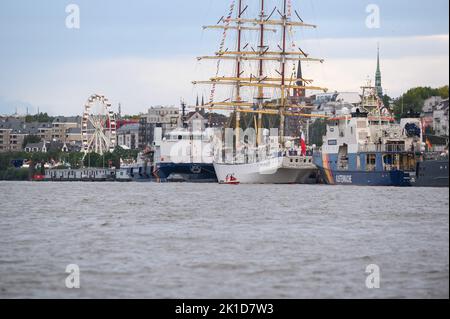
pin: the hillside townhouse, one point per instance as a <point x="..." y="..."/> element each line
<point x="428" y="108"/>
<point x="440" y="119"/>
<point x="128" y="136"/>
<point x="61" y="125"/>
<point x="14" y="130"/>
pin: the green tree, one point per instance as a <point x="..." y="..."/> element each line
<point x="443" y="92"/>
<point x="120" y="153"/>
<point x="75" y="159"/>
<point x="41" y="118"/>
<point x="7" y="158"/>
<point x="106" y="160"/>
<point x="15" y="174"/>
<point x="414" y="98"/>
<point x="92" y="160"/>
<point x="387" y="100"/>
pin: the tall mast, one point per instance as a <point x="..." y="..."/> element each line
<point x="238" y="74"/>
<point x="283" y="73"/>
<point x="261" y="75"/>
<point x="261" y="82"/>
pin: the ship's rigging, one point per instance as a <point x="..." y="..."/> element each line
<point x="271" y="75"/>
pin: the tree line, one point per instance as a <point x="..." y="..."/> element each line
<point x="9" y="160"/>
<point x="414" y="99"/>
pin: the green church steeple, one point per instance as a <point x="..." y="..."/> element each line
<point x="378" y="76"/>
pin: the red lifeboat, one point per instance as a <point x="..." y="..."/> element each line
<point x="231" y="180"/>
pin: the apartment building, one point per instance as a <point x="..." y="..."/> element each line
<point x="166" y="117"/>
<point x="61" y="125"/>
<point x="128" y="136"/>
<point x="13" y="131"/>
<point x="440" y="119"/>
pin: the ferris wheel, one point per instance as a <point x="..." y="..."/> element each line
<point x="98" y="127"/>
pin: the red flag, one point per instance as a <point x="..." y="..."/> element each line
<point x="428" y="142"/>
<point x="303" y="144"/>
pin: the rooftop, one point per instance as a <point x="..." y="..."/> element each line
<point x="67" y="119"/>
<point x="129" y="127"/>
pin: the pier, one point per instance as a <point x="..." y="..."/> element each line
<point x="81" y="175"/>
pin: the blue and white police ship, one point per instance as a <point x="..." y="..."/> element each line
<point x="364" y="146"/>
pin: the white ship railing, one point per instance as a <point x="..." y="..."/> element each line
<point x="247" y="155"/>
<point x="388" y="148"/>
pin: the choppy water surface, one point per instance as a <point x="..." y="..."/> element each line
<point x="216" y="241"/>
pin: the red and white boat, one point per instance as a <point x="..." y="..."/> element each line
<point x="230" y="180"/>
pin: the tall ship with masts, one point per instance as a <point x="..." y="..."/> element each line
<point x="263" y="81"/>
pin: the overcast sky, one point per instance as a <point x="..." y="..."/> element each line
<point x="142" y="52"/>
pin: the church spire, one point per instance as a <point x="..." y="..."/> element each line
<point x="378" y="86"/>
<point x="299" y="92"/>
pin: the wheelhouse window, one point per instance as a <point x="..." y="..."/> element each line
<point x="389" y="162"/>
<point x="371" y="161"/>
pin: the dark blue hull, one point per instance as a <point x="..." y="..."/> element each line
<point x="141" y="173"/>
<point x="186" y="172"/>
<point x="432" y="173"/>
<point x="377" y="176"/>
<point x="392" y="178"/>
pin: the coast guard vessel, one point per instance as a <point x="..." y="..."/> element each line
<point x="364" y="146"/>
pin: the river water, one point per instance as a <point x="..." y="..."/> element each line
<point x="148" y="240"/>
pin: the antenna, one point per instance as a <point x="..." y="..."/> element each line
<point x="183" y="109"/>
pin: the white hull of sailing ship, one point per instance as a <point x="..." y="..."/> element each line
<point x="283" y="170"/>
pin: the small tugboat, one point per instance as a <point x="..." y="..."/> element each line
<point x="366" y="147"/>
<point x="123" y="175"/>
<point x="140" y="170"/>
